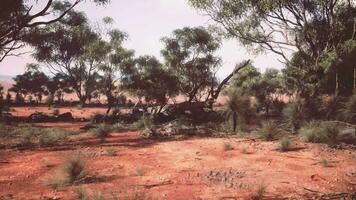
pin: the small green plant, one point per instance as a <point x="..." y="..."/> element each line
<point x="75" y="170"/>
<point x="146" y="125"/>
<point x="54" y="185"/>
<point x="324" y="162"/>
<point x="81" y="194"/>
<point x="111" y="151"/>
<point x="102" y="131"/>
<point x="98" y="196"/>
<point x="228" y="147"/>
<point x="139" y="171"/>
<point x="46" y="163"/>
<point x="270" y="131"/>
<point x="259" y="193"/>
<point x="284" y="144"/>
<point x="244" y="150"/>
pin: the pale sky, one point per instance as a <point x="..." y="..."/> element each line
<point x="146" y="22"/>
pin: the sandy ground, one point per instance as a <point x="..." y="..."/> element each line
<point x="186" y="168"/>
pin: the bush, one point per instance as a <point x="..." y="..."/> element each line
<point x="228" y="147"/>
<point x="322" y="132"/>
<point x="292" y="112"/>
<point x="259" y="193"/>
<point x="75" y="170"/>
<point x="146" y="124"/>
<point x="111" y="151"/>
<point x="270" y="131"/>
<point x="284" y="144"/>
<point x="26" y="136"/>
<point x="51" y="137"/>
<point x="102" y="131"/>
<point x="81" y="194"/>
<point x="348" y="110"/>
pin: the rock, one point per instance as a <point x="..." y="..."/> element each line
<point x="65" y="117"/>
<point x="40" y="117"/>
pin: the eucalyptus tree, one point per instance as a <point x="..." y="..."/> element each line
<point x="18" y="17"/>
<point x="314" y="31"/>
<point x="151" y="80"/>
<point x="72" y="49"/>
<point x="115" y="59"/>
<point x="190" y="54"/>
<point x="32" y="83"/>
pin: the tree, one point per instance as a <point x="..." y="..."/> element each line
<point x="149" y="79"/>
<point x="18" y="17"/>
<point x="238" y="103"/>
<point x="32" y="82"/>
<point x="70" y="48"/>
<point x="115" y="59"/>
<point x="311" y="26"/>
<point x="189" y="54"/>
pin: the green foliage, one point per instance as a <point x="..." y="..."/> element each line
<point x="293" y="114"/>
<point x="102" y="131"/>
<point x="324" y="132"/>
<point x="238" y="105"/>
<point x="150" y="79"/>
<point x="189" y="55"/>
<point x="348" y="110"/>
<point x="29" y="136"/>
<point x="270" y="131"/>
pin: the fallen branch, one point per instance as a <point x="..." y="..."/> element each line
<point x="148" y="186"/>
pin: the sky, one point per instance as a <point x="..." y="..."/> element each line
<point x="146" y="22"/>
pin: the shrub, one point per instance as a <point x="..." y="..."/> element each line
<point x="111" y="151"/>
<point x="50" y="137"/>
<point x="259" y="193"/>
<point x="348" y="110"/>
<point x="284" y="144"/>
<point x="146" y="124"/>
<point x="81" y="194"/>
<point x="228" y="147"/>
<point x="270" y="131"/>
<point x="102" y="131"/>
<point x="75" y="170"/>
<point x="321" y="132"/>
<point x="139" y="171"/>
<point x="324" y="162"/>
<point x="292" y="112"/>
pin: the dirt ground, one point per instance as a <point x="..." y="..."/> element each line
<point x="179" y="168"/>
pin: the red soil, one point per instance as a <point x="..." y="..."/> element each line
<point x="186" y="168"/>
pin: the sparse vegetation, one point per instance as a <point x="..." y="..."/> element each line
<point x="228" y="147"/>
<point x="324" y="162"/>
<point x="111" y="151"/>
<point x="330" y="133"/>
<point x="102" y="131"/>
<point x="75" y="170"/>
<point x="259" y="193"/>
<point x="285" y="144"/>
<point x="139" y="171"/>
<point x="270" y="131"/>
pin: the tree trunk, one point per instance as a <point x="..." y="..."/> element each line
<point x="234" y="121"/>
<point x="216" y="93"/>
